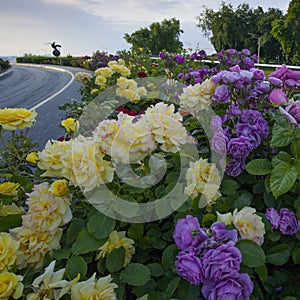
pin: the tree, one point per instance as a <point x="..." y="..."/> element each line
<point x="287" y="31"/>
<point x="158" y="37"/>
<point x="241" y="28"/>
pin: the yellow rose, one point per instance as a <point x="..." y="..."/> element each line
<point x="100" y="80"/>
<point x="32" y="157"/>
<point x="85" y="165"/>
<point x="45" y="211"/>
<point x="51" y="158"/>
<point x="249" y="225"/>
<point x="16" y="118"/>
<point x="8" y="251"/>
<point x="116" y="240"/>
<point x="34" y="245"/>
<point x="105" y="71"/>
<point x="203" y="177"/>
<point x="94" y="91"/>
<point x="197" y="97"/>
<point x="9" y="189"/>
<point x="166" y="126"/>
<point x="70" y="124"/>
<point x="94" y="289"/>
<point x="10" y="285"/>
<point x="59" y="187"/>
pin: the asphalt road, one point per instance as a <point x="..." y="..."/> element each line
<point x="42" y="89"/>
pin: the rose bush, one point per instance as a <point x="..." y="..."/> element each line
<point x="181" y="184"/>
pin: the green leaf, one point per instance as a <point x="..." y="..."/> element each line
<point x="282" y="179"/>
<point x="136" y="231"/>
<point x="135" y="274"/>
<point x="259" y="167"/>
<point x="100" y="226"/>
<point x="278" y="255"/>
<point x="282" y="158"/>
<point x="296" y="255"/>
<point x="9" y="222"/>
<point x="169" y="256"/>
<point x="243" y="200"/>
<point x="253" y="255"/>
<point x="229" y="186"/>
<point x="172" y="286"/>
<point x="76" y="265"/>
<point x="85" y="243"/>
<point x="63" y="253"/>
<point x="187" y="291"/>
<point x="74" y="228"/>
<point x="262" y="272"/>
<point x="281" y="134"/>
<point x="156" y="269"/>
<point x="115" y="260"/>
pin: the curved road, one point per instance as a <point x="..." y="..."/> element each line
<point x="38" y="88"/>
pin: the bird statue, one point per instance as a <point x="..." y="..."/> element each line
<point x="55" y="52"/>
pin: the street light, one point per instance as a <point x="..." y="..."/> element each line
<point x="258" y="42"/>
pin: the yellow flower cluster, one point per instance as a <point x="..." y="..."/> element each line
<point x="83" y="77"/>
<point x="166" y="126"/>
<point x="197" y="97"/>
<point x="249" y="225"/>
<point x="125" y="140"/>
<point x="128" y="88"/>
<point x="9" y="189"/>
<point x="104" y="75"/>
<point x="16" y="118"/>
<point x="203" y="177"/>
<point x="40" y="230"/>
<point x="79" y="160"/>
<point x="116" y="240"/>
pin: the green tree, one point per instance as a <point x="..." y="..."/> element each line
<point x="287" y="31"/>
<point x="241" y="28"/>
<point x="158" y="37"/>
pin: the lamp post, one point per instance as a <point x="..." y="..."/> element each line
<point x="258" y="44"/>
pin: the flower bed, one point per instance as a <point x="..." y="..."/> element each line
<point x="180" y="184"/>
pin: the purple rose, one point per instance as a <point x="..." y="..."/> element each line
<point x="246" y="76"/>
<point x="235" y="69"/>
<point x="237" y="287"/>
<point x="219" y="143"/>
<point x="230" y="77"/>
<point x="278" y="97"/>
<point x="162" y="55"/>
<point x="221" y="262"/>
<point x="220" y="233"/>
<point x="188" y="233"/>
<point x="246" y="52"/>
<point x="180" y="59"/>
<point x="258" y="74"/>
<point x="273" y="217"/>
<point x="288" y="223"/>
<point x="292" y="112"/>
<point x="262" y="87"/>
<point x="249" y="63"/>
<point x="250" y="116"/>
<point x="216" y="124"/>
<point x="222" y="93"/>
<point x="235" y="167"/>
<point x="189" y="266"/>
<point x="239" y="147"/>
<point x="275" y="81"/>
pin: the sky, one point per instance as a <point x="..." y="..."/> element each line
<point x="84" y="26"/>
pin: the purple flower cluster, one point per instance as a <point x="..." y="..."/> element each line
<point x="286" y="77"/>
<point x="249" y="128"/>
<point x="232" y="57"/>
<point x="194" y="75"/>
<point x="245" y="86"/>
<point x="209" y="257"/>
<point x="198" y="55"/>
<point x="285" y="220"/>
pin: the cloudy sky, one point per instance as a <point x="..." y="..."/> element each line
<point x="84" y="26"/>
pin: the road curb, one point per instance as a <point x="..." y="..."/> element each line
<point x="6" y="73"/>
